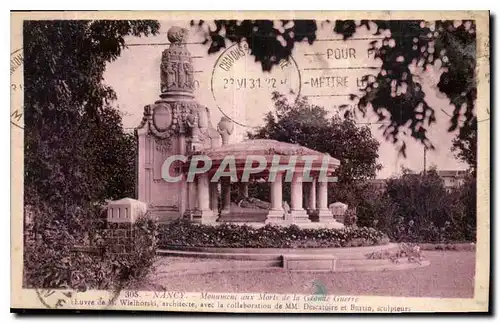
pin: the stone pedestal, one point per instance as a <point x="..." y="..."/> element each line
<point x="204" y="216"/>
<point x="174" y="125"/>
<point x="275" y="216"/>
<point x="126" y="210"/>
<point x="324" y="216"/>
<point x="122" y="215"/>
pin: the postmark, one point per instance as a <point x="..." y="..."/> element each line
<point x="17" y="88"/>
<point x="243" y="92"/>
<point x="53" y="299"/>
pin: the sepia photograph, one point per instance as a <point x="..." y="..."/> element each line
<point x="323" y="162"/>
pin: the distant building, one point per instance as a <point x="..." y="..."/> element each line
<point x="452" y="178"/>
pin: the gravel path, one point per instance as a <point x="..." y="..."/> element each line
<point x="450" y="274"/>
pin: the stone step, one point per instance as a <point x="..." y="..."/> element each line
<point x="219" y="265"/>
<point x="212" y="255"/>
<point x="243" y="218"/>
<point x="354" y="253"/>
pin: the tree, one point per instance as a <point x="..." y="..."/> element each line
<point x="468" y="197"/>
<point x="111" y="154"/>
<point x="410" y="42"/>
<point x="464" y="145"/>
<point x="76" y="151"/>
<point x="424" y="210"/>
<point x="309" y="126"/>
<point x="71" y="130"/>
<point x="376" y="211"/>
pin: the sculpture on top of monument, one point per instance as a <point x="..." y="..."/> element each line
<point x="177" y="112"/>
<point x="225" y="127"/>
<point x="176" y="73"/>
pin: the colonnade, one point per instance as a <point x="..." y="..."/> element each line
<point x="317" y="201"/>
<point x="317" y="205"/>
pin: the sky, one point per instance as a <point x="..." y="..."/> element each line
<point x="231" y="83"/>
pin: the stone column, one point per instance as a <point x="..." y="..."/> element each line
<point x="324" y="213"/>
<point x="226" y="195"/>
<point x="214" y="197"/>
<point x="276" y="213"/>
<point x="192" y="202"/>
<point x="203" y="213"/>
<point x="298" y="213"/>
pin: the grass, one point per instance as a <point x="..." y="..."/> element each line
<point x="450" y="274"/>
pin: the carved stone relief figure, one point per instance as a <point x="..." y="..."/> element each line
<point x="181" y="76"/>
<point x="191" y="120"/>
<point x="188" y="68"/>
<point x="171" y="74"/>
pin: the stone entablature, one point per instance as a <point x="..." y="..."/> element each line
<point x="244" y="152"/>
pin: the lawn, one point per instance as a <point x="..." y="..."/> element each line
<point x="450" y="274"/>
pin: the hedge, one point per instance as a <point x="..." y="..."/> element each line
<point x="187" y="234"/>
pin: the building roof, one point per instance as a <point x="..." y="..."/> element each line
<point x="259" y="147"/>
<point x="266" y="148"/>
<point x="451" y="173"/>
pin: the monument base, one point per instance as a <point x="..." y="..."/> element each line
<point x="325" y="216"/>
<point x="204" y="216"/>
<point x="299" y="216"/>
<point x="275" y="216"/>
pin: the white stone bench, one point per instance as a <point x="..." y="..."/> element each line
<point x="309" y="262"/>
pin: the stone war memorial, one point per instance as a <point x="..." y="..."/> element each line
<point x="177" y="124"/>
<point x="187" y="170"/>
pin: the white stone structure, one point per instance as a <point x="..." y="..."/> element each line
<point x="338" y="209"/>
<point x="126" y="210"/>
<point x="317" y="206"/>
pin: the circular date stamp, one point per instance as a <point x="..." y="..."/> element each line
<point x="243" y="91"/>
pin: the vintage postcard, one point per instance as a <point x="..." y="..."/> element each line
<point x="257" y="162"/>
